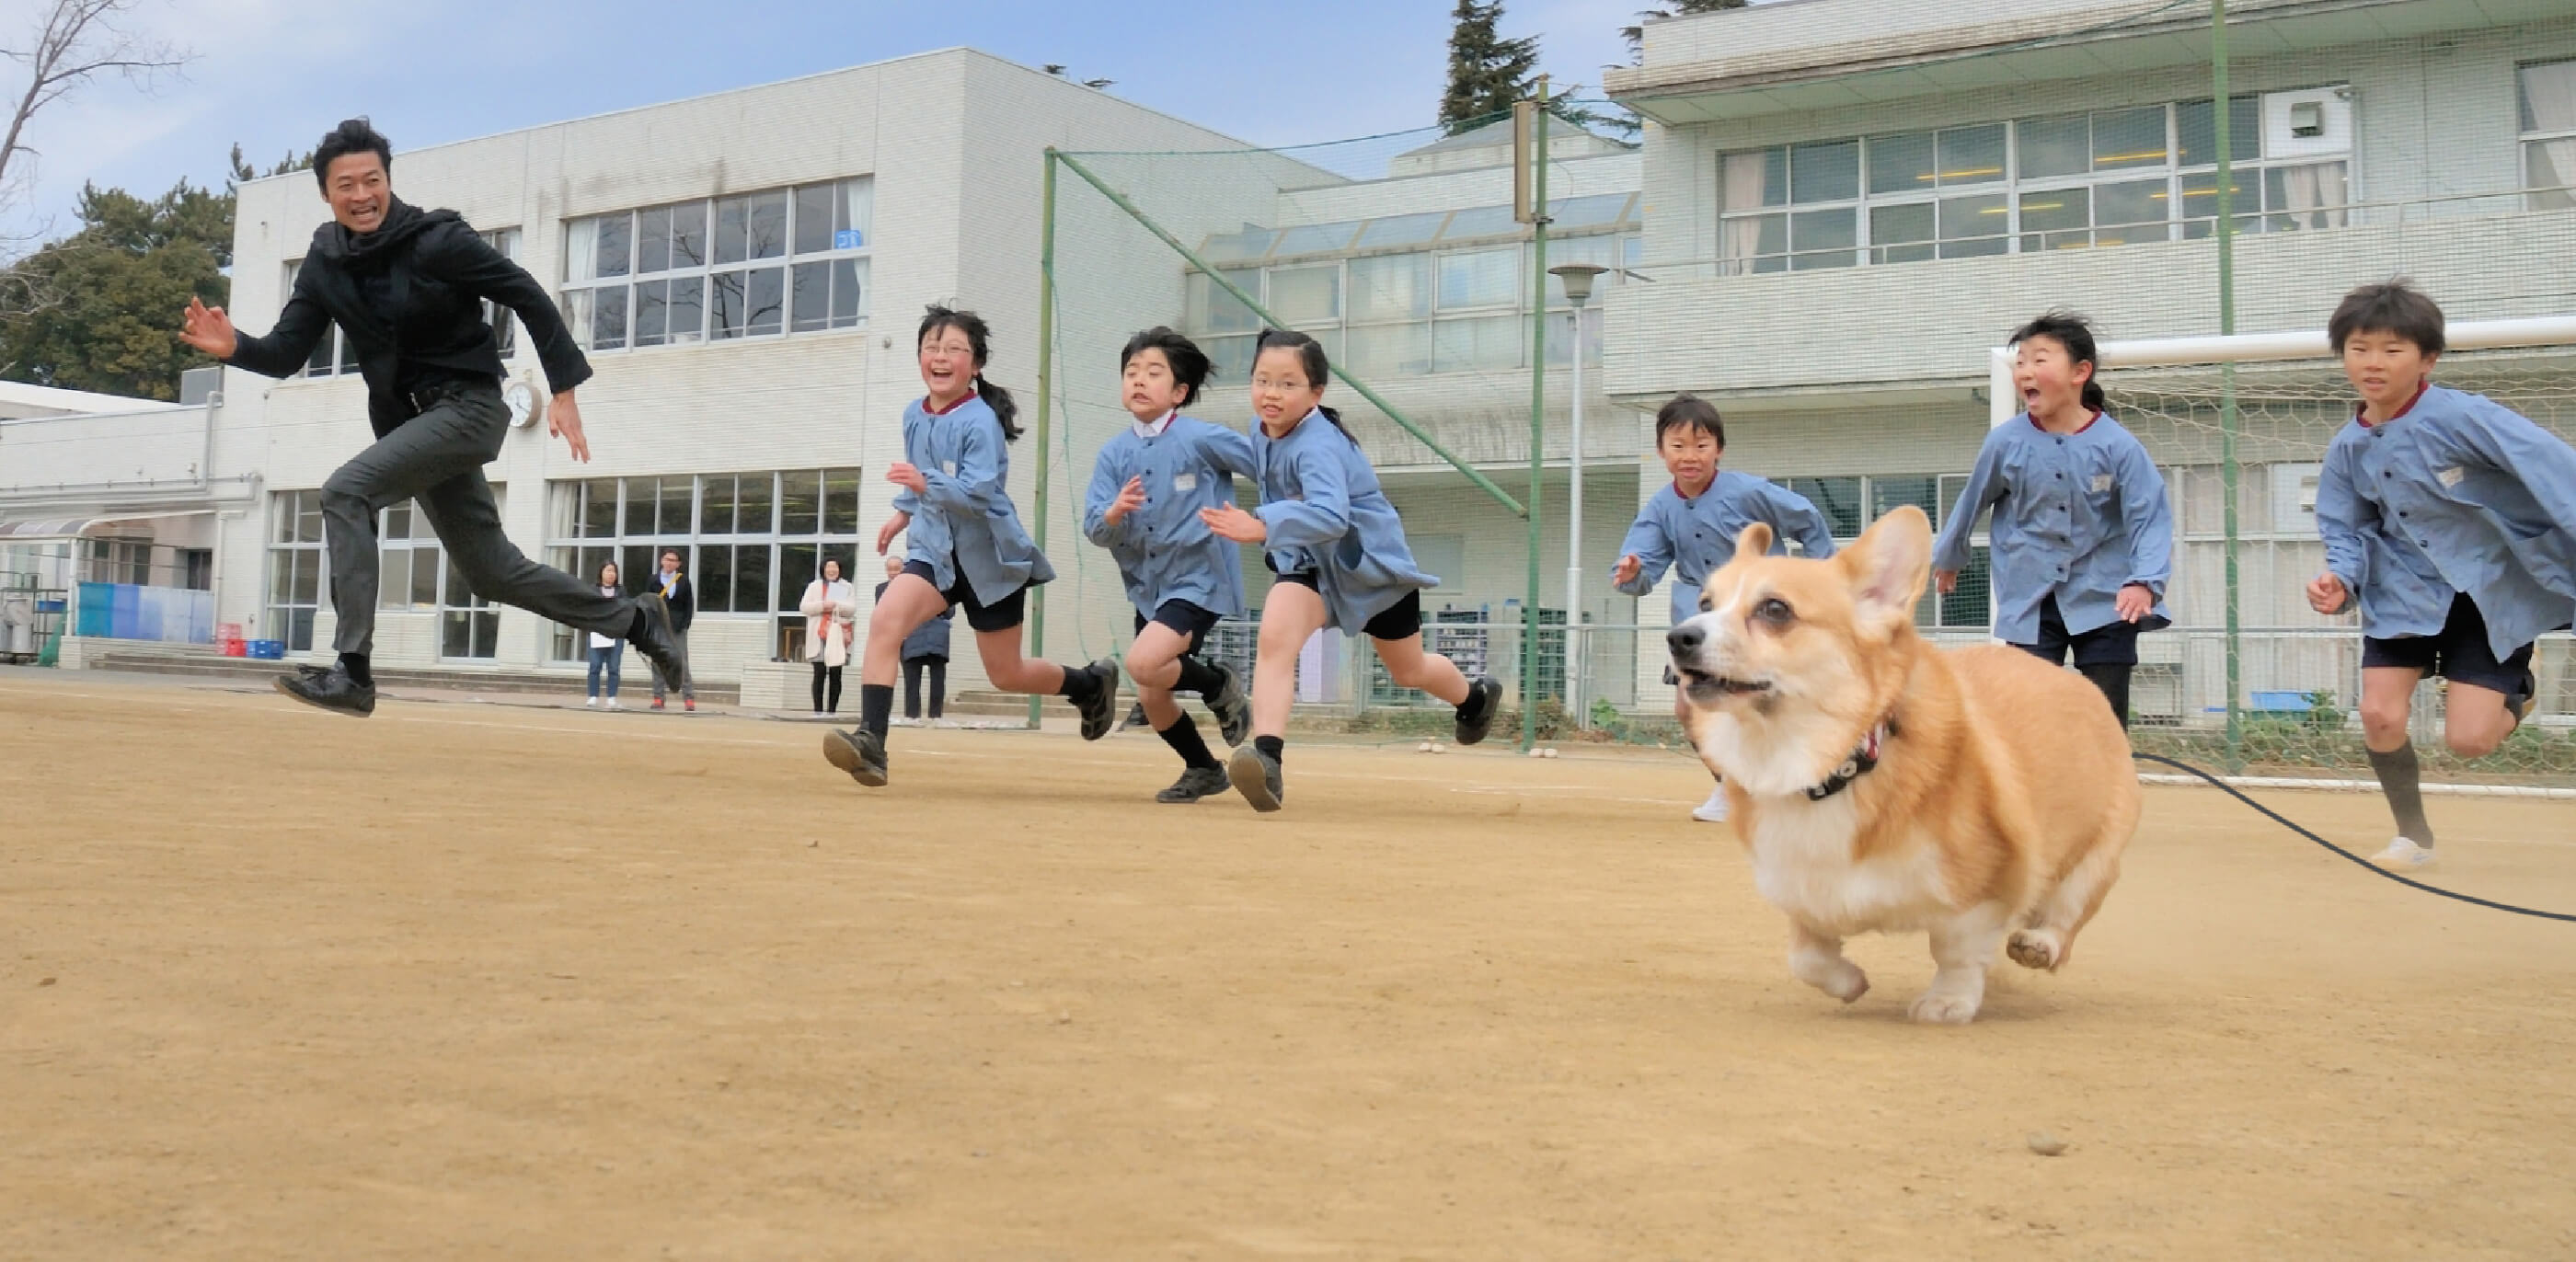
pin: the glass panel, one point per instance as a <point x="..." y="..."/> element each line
<point x="591" y="560"/>
<point x="393" y="578"/>
<point x="319" y="363"/>
<point x="2131" y="212"/>
<point x="840" y="501"/>
<point x="1753" y="179"/>
<point x="2055" y="146"/>
<point x="752" y="499"/>
<point x="732" y="229"/>
<point x="653" y="241"/>
<point x="2058" y="219"/>
<point x="1837" y="498"/>
<point x="1972" y="226"/>
<point x="2312" y="193"/>
<point x="634" y="565"/>
<point x="1306" y="295"/>
<point x="1490" y="344"/>
<point x="1213" y="310"/>
<point x="307" y="583"/>
<point x="1601" y="211"/>
<point x="1390" y="287"/>
<point x="715" y="505"/>
<point x="616" y="243"/>
<point x="2196" y="127"/>
<point x="1480" y="221"/>
<point x="641" y="494"/>
<point x="857" y="211"/>
<point x="1968" y="603"/>
<point x="1824" y="172"/>
<point x="689" y="235"/>
<point x="2550" y="167"/>
<point x="688" y="309"/>
<point x="849" y="292"/>
<point x="768" y="225"/>
<point x="1230" y="358"/>
<point x="598" y="509"/>
<point x="1900" y="164"/>
<point x="1482" y="278"/>
<point x="725" y="315"/>
<point x="299" y="630"/>
<point x="751" y="578"/>
<point x="814" y="213"/>
<point x="1388" y="350"/>
<point x="715" y="578"/>
<point x="798" y="502"/>
<point x="768" y="300"/>
<point x="308" y="517"/>
<point x="1401" y="230"/>
<point x="677" y="494"/>
<point x="2126" y="139"/>
<point x="1824" y="238"/>
<point x="1901" y="234"/>
<point x="1316" y="238"/>
<point x="1971" y="155"/>
<point x="1888" y="493"/>
<point x="652" y="313"/>
<point x="425" y="567"/>
<point x="796" y="563"/>
<point x="2200" y="202"/>
<point x="810" y="300"/>
<point x="1229" y="247"/>
<point x="397" y="523"/>
<point x="2549" y="96"/>
<point x="608" y="318"/>
<point x="576" y="313"/>
<point x="348" y="355"/>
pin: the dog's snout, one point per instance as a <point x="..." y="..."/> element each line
<point x="1685" y="640"/>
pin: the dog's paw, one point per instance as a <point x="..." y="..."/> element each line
<point x="2035" y="948"/>
<point x="1941" y="1007"/>
<point x="1831" y="974"/>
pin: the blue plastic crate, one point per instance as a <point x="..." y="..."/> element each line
<point x="266" y="650"/>
<point x="2281" y="702"/>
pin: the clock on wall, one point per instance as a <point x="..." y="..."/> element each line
<point x="523" y="405"/>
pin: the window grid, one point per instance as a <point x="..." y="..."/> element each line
<point x="776" y="262"/>
<point x="295" y="567"/>
<point x="2548" y="134"/>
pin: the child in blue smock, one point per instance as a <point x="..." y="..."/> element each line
<point x="1147" y="489"/>
<point x="2083" y="533"/>
<point x="964" y="546"/>
<point x="1691" y="526"/>
<point x="1329" y="533"/>
<point x="2451" y="520"/>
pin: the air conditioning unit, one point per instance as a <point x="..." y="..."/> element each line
<point x="2310" y="121"/>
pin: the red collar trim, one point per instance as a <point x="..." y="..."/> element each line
<point x="2360" y="410"/>
<point x="1713" y="476"/>
<point x="959" y="403"/>
<point x="2091" y="415"/>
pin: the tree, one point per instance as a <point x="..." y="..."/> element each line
<point x="1636" y="35"/>
<point x="1487" y="73"/>
<point x="75" y="42"/>
<point x="118" y="283"/>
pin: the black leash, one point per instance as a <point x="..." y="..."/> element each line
<point x="2365" y="864"/>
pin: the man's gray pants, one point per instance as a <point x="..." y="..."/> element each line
<point x="688" y="686"/>
<point x="436" y="458"/>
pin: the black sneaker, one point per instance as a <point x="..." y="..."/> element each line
<point x="329" y="689"/>
<point x="1135" y="718"/>
<point x="1195" y="783"/>
<point x="654" y="638"/>
<point x="1233" y="710"/>
<point x="1255" y="775"/>
<point x="2519" y="700"/>
<point x="860" y="752"/>
<point x="1101" y="710"/>
<point x="1476" y="717"/>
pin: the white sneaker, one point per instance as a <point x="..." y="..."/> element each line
<point x="2405" y="856"/>
<point x="612" y="703"/>
<point x="818" y="714"/>
<point x="592" y="702"/>
<point x="1712" y="811"/>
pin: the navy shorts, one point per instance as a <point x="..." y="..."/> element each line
<point x="1395" y="622"/>
<point x="1001" y="615"/>
<point x="2460" y="653"/>
<point x="1192" y="622"/>
<point x="2112" y="645"/>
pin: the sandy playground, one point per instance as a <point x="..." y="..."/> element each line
<point x="472" y="980"/>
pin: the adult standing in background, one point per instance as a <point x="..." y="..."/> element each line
<point x="831" y="609"/>
<point x="607" y="653"/>
<point x="682" y="600"/>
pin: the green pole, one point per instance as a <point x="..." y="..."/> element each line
<point x="1538" y="413"/>
<point x="1358" y="386"/>
<point x="2227" y="415"/>
<point x="1046" y="394"/>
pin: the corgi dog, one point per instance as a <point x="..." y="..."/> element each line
<point x="1881" y="784"/>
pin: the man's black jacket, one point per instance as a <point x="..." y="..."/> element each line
<point x="409" y="297"/>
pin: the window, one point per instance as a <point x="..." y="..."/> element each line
<point x="504" y="322"/>
<point x="1849" y="504"/>
<point x="748" y="265"/>
<point x="2062" y="182"/>
<point x="2549" y="134"/>
<point x="294" y="567"/>
<point x="414" y="573"/>
<point x="333" y="356"/>
<point x="734" y="532"/>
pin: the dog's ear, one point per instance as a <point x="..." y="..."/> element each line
<point x="1887" y="567"/>
<point x="1755" y="541"/>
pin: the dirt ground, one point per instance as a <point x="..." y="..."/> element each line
<point x="486" y="981"/>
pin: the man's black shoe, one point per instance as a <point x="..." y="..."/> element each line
<point x="329" y="689"/>
<point x="652" y="636"/>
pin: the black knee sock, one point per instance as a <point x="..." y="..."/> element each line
<point x="1274" y="746"/>
<point x="2113" y="680"/>
<point x="876" y="707"/>
<point x="1199" y="677"/>
<point x="1080" y="685"/>
<point x="1183" y="736"/>
<point x="2401" y="778"/>
<point x="356" y="666"/>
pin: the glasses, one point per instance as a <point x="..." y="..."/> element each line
<point x="1279" y="384"/>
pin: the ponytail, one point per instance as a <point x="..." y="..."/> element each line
<point x="1310" y="358"/>
<point x="979" y="339"/>
<point x="1336" y="418"/>
<point x="2093" y="396"/>
<point x="1005" y="409"/>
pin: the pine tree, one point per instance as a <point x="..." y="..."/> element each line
<point x="1487" y="72"/>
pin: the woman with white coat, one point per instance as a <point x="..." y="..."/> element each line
<point x="831" y="611"/>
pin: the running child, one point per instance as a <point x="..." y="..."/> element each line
<point x="2451" y="520"/>
<point x="2083" y="533"/>
<point x="1146" y="492"/>
<point x="1328" y="532"/>
<point x="1690" y="527"/>
<point x="963" y="546"/>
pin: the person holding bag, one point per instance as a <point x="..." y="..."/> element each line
<point x="831" y="610"/>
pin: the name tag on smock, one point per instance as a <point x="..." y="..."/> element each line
<point x="2101" y="483"/>
<point x="1185" y="481"/>
<point x="2451" y="477"/>
<point x="950" y="466"/>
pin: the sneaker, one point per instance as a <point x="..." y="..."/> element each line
<point x="1135" y="719"/>
<point x="861" y="753"/>
<point x="657" y="703"/>
<point x="612" y="703"/>
<point x="1255" y="775"/>
<point x="2519" y="701"/>
<point x="1712" y="811"/>
<point x="1102" y="709"/>
<point x="1233" y="710"/>
<point x="2404" y="856"/>
<point x="1476" y="715"/>
<point x="1195" y="783"/>
<point x="330" y="689"/>
<point x="818" y="714"/>
<point x="690" y="704"/>
<point x="654" y="638"/>
<point x="592" y="702"/>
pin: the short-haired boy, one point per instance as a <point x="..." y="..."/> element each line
<point x="2451" y="519"/>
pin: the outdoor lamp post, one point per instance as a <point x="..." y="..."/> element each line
<point x="1577" y="279"/>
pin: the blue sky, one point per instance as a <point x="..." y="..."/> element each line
<point x="274" y="74"/>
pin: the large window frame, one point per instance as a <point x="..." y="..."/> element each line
<point x="2077" y="180"/>
<point x="2545" y="92"/>
<point x="297" y="568"/>
<point x="414" y="574"/>
<point x="333" y="356"/>
<point x="778" y="262"/>
<point x="749" y="541"/>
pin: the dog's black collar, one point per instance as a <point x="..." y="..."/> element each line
<point x="1864" y="759"/>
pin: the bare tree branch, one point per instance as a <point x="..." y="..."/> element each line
<point x="78" y="42"/>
